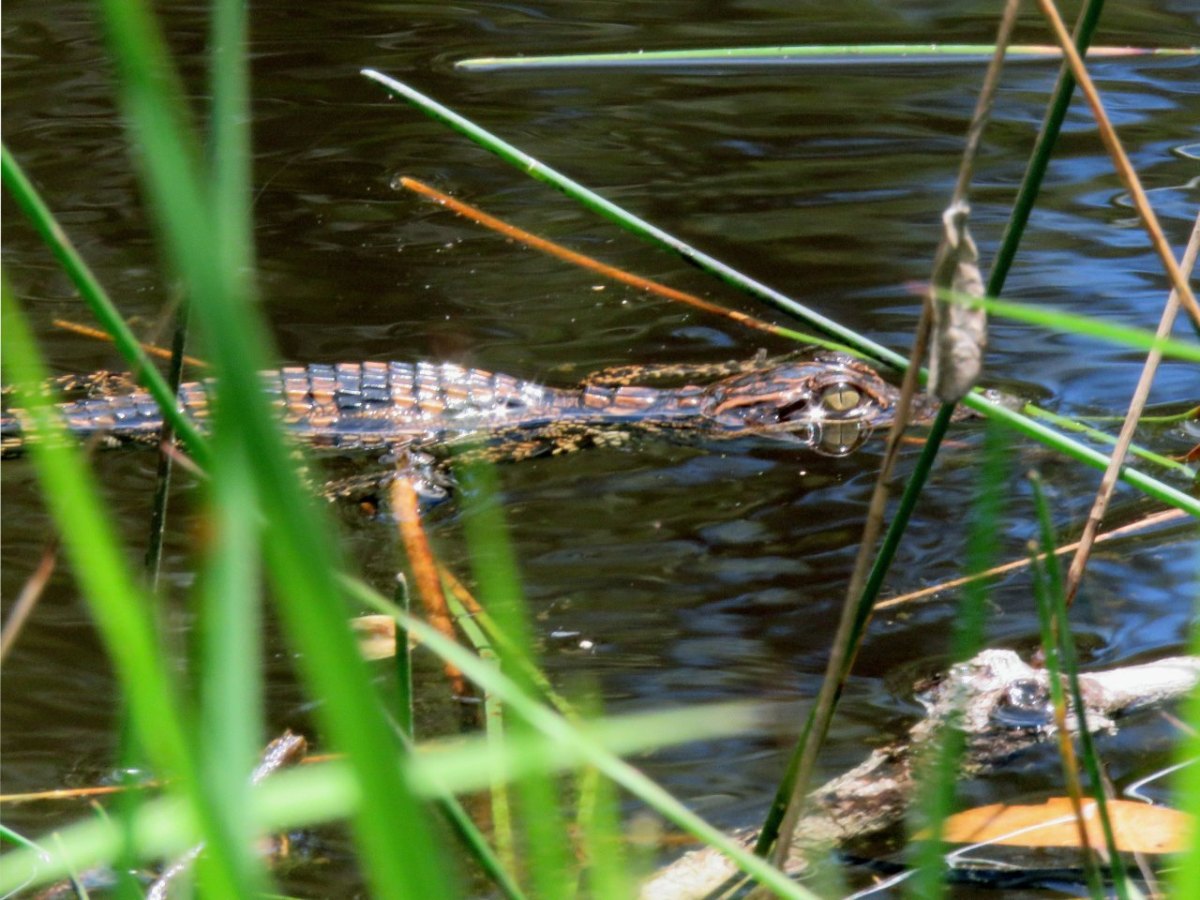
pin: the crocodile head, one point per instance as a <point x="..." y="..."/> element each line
<point x="829" y="402"/>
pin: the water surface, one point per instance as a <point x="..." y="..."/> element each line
<point x="699" y="573"/>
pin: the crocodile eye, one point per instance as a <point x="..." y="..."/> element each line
<point x="841" y="398"/>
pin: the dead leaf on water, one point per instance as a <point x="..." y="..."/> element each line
<point x="1137" y="827"/>
<point x="376" y="636"/>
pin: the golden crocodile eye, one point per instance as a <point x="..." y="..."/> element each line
<point x="841" y="398"/>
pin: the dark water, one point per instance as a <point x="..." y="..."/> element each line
<point x="700" y="573"/>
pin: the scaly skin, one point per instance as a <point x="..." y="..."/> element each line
<point x="827" y="402"/>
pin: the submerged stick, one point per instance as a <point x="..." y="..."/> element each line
<point x="876" y="794"/>
<point x="406" y="506"/>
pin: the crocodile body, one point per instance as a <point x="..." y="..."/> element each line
<point x="827" y="402"/>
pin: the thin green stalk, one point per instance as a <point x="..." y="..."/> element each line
<point x="162" y="480"/>
<point x="610" y="875"/>
<point x="827" y="54"/>
<point x="594" y="202"/>
<point x="590" y="200"/>
<point x="405" y="717"/>
<point x="493" y="718"/>
<point x="1043" y="148"/>
<point x="937" y="781"/>
<point x="1058" y="320"/>
<point x="544" y="828"/>
<point x="230" y="669"/>
<point x="817" y="724"/>
<point x="1103" y="437"/>
<point x="473" y="840"/>
<point x="97" y="299"/>
<point x="1055" y="598"/>
<point x="1081" y="453"/>
<point x="1185" y="880"/>
<point x="1047" y="582"/>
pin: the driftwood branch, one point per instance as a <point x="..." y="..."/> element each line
<point x="1005" y="709"/>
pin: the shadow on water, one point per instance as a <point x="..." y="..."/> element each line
<point x="696" y="574"/>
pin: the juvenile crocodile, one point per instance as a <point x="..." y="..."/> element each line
<point x="828" y="402"/>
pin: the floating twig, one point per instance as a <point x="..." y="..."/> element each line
<point x="1151" y="521"/>
<point x="27" y="600"/>
<point x="641" y="283"/>
<point x="97" y="334"/>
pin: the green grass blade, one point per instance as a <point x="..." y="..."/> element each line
<point x="1185" y="880"/>
<point x="820" y="54"/>
<point x="1103" y="437"/>
<point x="308" y="795"/>
<point x="97" y="299"/>
<point x="121" y="608"/>
<point x="543" y="826"/>
<point x="1047" y="584"/>
<point x="1089" y="326"/>
<point x="1039" y="158"/>
<point x="593" y="201"/>
<point x="230" y="669"/>
<point x="231" y="665"/>
<point x="1055" y="598"/>
<point x="503" y="832"/>
<point x="1081" y="453"/>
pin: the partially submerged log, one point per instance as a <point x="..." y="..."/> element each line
<point x="1005" y="707"/>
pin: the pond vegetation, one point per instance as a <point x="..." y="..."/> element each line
<point x="536" y="798"/>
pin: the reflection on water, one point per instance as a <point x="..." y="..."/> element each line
<point x="697" y="573"/>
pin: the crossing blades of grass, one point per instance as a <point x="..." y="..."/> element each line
<point x="35" y="209"/>
<point x="592" y="201"/>
<point x="201" y="228"/>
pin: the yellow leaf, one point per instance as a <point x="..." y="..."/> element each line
<point x="1137" y="827"/>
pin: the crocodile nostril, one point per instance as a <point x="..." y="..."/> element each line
<point x="800" y="409"/>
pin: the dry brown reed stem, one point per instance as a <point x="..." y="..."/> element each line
<point x="1137" y="404"/>
<point x="77" y="793"/>
<point x="557" y="250"/>
<point x="1121" y="163"/>
<point x="465" y="597"/>
<point x="843" y="650"/>
<point x="97" y="334"/>
<point x="406" y="507"/>
<point x="27" y="600"/>
<point x="1151" y="521"/>
<point x="105" y="790"/>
